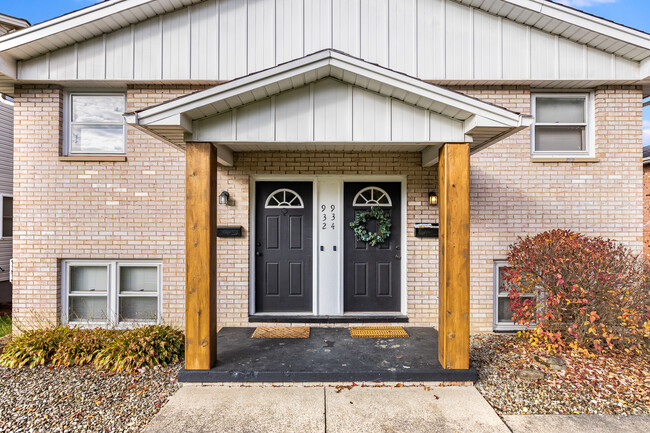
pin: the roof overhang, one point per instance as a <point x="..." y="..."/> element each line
<point x="178" y="120"/>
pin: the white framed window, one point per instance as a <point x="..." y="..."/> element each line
<point x="7" y="216"/>
<point x="563" y="125"/>
<point x="109" y="292"/>
<point x="502" y="313"/>
<point x="95" y="124"/>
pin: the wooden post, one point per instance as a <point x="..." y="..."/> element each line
<point x="200" y="256"/>
<point x="453" y="322"/>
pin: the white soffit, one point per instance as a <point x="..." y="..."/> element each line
<point x="174" y="120"/>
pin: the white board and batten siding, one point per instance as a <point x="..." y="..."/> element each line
<point x="439" y="40"/>
<point x="6" y="175"/>
<point x="329" y="111"/>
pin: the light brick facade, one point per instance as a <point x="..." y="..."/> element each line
<point x="646" y="210"/>
<point x="135" y="209"/>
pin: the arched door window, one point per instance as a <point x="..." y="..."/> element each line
<point x="284" y="198"/>
<point x="372" y="196"/>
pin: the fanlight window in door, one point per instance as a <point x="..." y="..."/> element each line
<point x="372" y="196"/>
<point x="284" y="198"/>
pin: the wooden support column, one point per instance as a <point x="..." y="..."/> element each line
<point x="200" y="256"/>
<point x="453" y="322"/>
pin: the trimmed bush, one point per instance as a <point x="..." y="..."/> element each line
<point x="591" y="293"/>
<point x="142" y="347"/>
<point x="111" y="349"/>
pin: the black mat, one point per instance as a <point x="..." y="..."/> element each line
<point x="328" y="355"/>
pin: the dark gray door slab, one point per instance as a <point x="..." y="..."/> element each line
<point x="372" y="274"/>
<point x="283" y="247"/>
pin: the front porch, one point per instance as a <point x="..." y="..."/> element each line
<point x="327" y="102"/>
<point x="328" y="355"/>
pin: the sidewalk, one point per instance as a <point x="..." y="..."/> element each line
<point x="318" y="409"/>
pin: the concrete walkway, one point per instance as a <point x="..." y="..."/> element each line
<point x="318" y="409"/>
<point x="578" y="423"/>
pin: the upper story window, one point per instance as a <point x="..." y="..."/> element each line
<point x="562" y="125"/>
<point x="96" y="124"/>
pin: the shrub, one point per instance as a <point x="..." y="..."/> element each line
<point x="32" y="348"/>
<point x="591" y="292"/>
<point x="142" y="347"/>
<point x="112" y="349"/>
<point x="5" y="325"/>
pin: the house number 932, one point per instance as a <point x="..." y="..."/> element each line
<point x="327" y="217"/>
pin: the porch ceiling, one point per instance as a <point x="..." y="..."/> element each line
<point x="324" y="101"/>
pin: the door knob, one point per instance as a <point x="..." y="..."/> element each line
<point x="398" y="257"/>
<point x="257" y="253"/>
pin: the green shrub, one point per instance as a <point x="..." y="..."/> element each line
<point x="591" y="293"/>
<point x="110" y="349"/>
<point x="80" y="346"/>
<point x="142" y="347"/>
<point x="32" y="348"/>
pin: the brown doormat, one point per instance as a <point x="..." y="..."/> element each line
<point x="281" y="332"/>
<point x="378" y="332"/>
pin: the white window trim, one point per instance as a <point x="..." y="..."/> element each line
<point x="67" y="123"/>
<point x="2" y="213"/>
<point x="112" y="295"/>
<point x="501" y="326"/>
<point x="590" y="142"/>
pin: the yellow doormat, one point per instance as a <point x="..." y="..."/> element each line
<point x="378" y="332"/>
<point x="281" y="332"/>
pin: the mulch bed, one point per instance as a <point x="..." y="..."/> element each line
<point x="47" y="399"/>
<point x="616" y="384"/>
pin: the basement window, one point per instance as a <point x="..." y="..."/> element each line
<point x="502" y="313"/>
<point x="7" y="216"/>
<point x="562" y="127"/>
<point x="107" y="293"/>
<point x="96" y="125"/>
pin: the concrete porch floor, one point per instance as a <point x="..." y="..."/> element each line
<point x="328" y="355"/>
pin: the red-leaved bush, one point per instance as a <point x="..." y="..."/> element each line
<point x="591" y="293"/>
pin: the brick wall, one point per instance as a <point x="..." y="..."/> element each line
<point x="63" y="210"/>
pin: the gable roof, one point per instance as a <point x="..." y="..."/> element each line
<point x="482" y="122"/>
<point x="9" y="24"/>
<point x="111" y="15"/>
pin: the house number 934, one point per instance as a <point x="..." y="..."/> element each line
<point x="327" y="217"/>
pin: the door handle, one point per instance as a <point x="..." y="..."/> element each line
<point x="257" y="253"/>
<point x="398" y="257"/>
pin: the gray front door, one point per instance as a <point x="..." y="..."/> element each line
<point x="372" y="274"/>
<point x="283" y="247"/>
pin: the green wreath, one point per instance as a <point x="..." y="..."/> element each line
<point x="383" y="226"/>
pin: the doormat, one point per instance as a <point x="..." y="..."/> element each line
<point x="281" y="332"/>
<point x="378" y="332"/>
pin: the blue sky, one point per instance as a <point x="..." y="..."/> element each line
<point x="633" y="13"/>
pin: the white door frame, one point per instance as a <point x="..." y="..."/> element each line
<point x="402" y="179"/>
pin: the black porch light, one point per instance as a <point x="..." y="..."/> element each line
<point x="433" y="199"/>
<point x="223" y="197"/>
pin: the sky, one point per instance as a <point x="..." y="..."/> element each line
<point x="633" y="13"/>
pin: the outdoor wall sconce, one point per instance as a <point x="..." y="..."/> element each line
<point x="223" y="197"/>
<point x="433" y="199"/>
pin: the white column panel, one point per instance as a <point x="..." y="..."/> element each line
<point x="119" y="55"/>
<point x="63" y="64"/>
<point x="293" y="115"/>
<point x="346" y="30"/>
<point x="431" y="39"/>
<point x="599" y="65"/>
<point x="289" y="30"/>
<point x="176" y="45"/>
<point x="572" y="58"/>
<point x="374" y="31"/>
<point x="205" y="41"/>
<point x="90" y="60"/>
<point x="332" y="111"/>
<point x="255" y="122"/>
<point x="148" y="50"/>
<point x="516" y="51"/>
<point x="318" y="25"/>
<point x="487" y="46"/>
<point x="403" y="36"/>
<point x="409" y="123"/>
<point x="458" y="42"/>
<point x="329" y="205"/>
<point x="544" y="56"/>
<point x="370" y="116"/>
<point x="261" y="34"/>
<point x="232" y="39"/>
